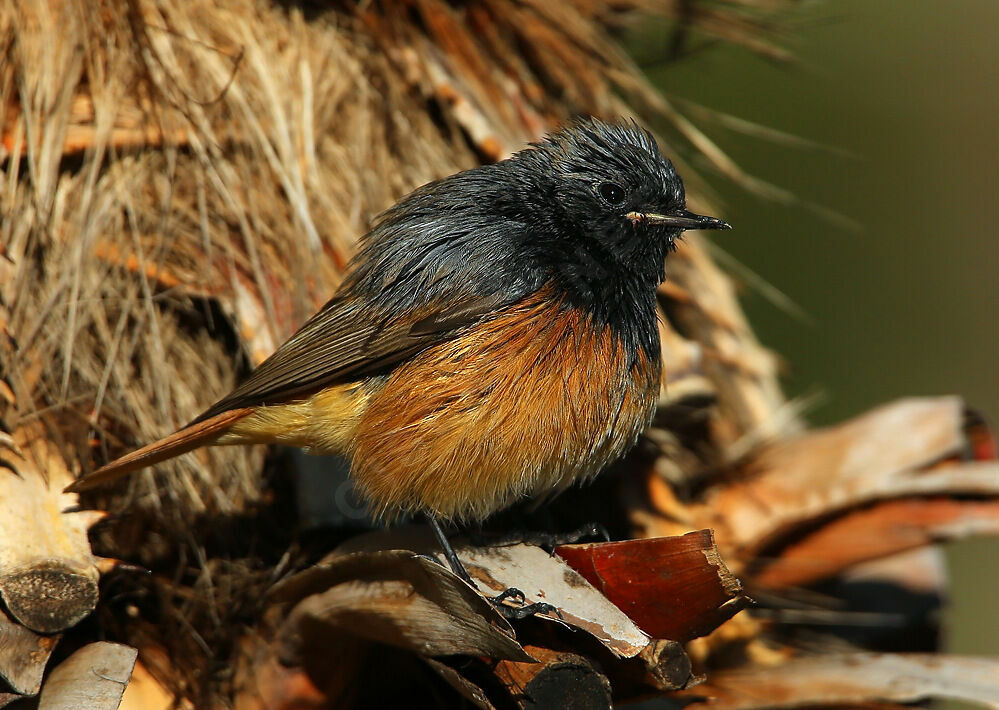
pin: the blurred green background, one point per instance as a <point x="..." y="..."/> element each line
<point x="908" y="304"/>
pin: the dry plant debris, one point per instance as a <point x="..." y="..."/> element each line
<point x="181" y="184"/>
<point x="672" y="587"/>
<point x="367" y="594"/>
<point x="852" y="680"/>
<point x="850" y="480"/>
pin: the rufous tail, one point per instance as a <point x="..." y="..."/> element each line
<point x="187" y="439"/>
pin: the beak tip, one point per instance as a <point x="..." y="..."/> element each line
<point x="711" y="223"/>
<point x="683" y="220"/>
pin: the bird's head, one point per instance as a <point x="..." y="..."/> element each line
<point x="607" y="204"/>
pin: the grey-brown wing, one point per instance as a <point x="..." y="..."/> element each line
<point x="343" y="342"/>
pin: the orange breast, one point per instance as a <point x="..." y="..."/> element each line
<point x="529" y="401"/>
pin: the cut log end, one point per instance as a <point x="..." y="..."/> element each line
<point x="668" y="664"/>
<point x="49" y="597"/>
<point x="557" y="680"/>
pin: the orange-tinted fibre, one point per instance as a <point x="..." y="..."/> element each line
<point x="529" y="401"/>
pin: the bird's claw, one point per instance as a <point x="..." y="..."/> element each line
<point x="510" y="593"/>
<point x="515" y="613"/>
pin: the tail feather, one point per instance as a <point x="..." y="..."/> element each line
<point x="180" y="442"/>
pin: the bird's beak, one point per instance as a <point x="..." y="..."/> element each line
<point x="681" y="219"/>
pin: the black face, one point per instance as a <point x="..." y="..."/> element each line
<point x="602" y="173"/>
<point x="611" y="207"/>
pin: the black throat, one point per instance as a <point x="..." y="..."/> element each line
<point x="616" y="288"/>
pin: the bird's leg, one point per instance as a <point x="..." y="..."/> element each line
<point x="508" y="612"/>
<point x="449" y="554"/>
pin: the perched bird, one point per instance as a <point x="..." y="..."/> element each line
<point x="495" y="336"/>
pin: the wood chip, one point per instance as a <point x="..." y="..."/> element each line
<point x="544" y="578"/>
<point x="558" y="680"/>
<point x="94" y="678"/>
<point x="674" y="588"/>
<point x="23" y="655"/>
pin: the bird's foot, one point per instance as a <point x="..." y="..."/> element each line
<point x="511" y="613"/>
<point x="515" y="613"/>
<point x="546" y="541"/>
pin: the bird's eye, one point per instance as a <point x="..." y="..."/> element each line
<point x="612" y="193"/>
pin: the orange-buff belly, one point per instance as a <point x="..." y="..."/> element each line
<point x="525" y="403"/>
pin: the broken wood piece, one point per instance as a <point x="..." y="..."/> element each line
<point x="48" y="574"/>
<point x="23" y="655"/>
<point x="557" y="680"/>
<point x="675" y="588"/>
<point x="546" y="578"/>
<point x="667" y="665"/>
<point x="94" y="677"/>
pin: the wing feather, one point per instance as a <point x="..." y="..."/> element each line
<point x="344" y="342"/>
